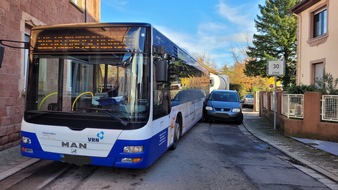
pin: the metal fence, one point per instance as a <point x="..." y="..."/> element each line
<point x="330" y="108"/>
<point x="272" y="102"/>
<point x="293" y="105"/>
<point x="265" y="100"/>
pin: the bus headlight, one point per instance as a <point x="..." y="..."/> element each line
<point x="133" y="149"/>
<point x="131" y="160"/>
<point x="236" y="110"/>
<point x="26" y="140"/>
<point x="209" y="108"/>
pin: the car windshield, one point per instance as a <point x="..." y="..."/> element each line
<point x="224" y="96"/>
<point x="249" y="96"/>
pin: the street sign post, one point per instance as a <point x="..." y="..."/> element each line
<point x="275" y="68"/>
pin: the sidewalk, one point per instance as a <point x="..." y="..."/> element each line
<point x="11" y="162"/>
<point x="319" y="160"/>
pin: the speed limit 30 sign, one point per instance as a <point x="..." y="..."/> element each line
<point x="276" y="68"/>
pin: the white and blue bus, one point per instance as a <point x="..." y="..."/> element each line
<point x="102" y="94"/>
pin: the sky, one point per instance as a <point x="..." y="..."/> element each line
<point x="202" y="27"/>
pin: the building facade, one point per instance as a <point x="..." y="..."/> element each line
<point x="317" y="39"/>
<point x="17" y="18"/>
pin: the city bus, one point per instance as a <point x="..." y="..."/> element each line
<point x="106" y="94"/>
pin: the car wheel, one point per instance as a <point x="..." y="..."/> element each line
<point x="240" y="120"/>
<point x="177" y="134"/>
<point x="206" y="119"/>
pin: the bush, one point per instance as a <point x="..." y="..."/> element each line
<point x="326" y="85"/>
<point x="301" y="89"/>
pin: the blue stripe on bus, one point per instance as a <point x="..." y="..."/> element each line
<point x="153" y="149"/>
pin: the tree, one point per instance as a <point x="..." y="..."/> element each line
<point x="238" y="79"/>
<point x="205" y="60"/>
<point x="276" y="39"/>
<point x="243" y="82"/>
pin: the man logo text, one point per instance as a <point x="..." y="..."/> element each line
<point x="74" y="145"/>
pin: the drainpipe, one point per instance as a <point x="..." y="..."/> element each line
<point x="299" y="47"/>
<point x="86" y="11"/>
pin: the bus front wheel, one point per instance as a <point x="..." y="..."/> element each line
<point x="177" y="134"/>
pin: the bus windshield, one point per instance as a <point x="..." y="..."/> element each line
<point x="98" y="85"/>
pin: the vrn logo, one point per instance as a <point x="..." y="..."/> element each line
<point x="100" y="136"/>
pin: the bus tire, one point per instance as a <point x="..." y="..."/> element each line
<point x="177" y="134"/>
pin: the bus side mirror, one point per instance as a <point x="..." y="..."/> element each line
<point x="212" y="82"/>
<point x="2" y="52"/>
<point x="162" y="71"/>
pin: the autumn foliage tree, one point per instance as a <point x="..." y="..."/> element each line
<point x="235" y="72"/>
<point x="238" y="77"/>
<point x="247" y="83"/>
<point x="206" y="61"/>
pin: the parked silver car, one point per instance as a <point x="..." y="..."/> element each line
<point x="248" y="100"/>
<point x="223" y="105"/>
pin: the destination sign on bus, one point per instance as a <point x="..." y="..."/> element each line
<point x="91" y="39"/>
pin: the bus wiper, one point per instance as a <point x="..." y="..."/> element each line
<point x="32" y="116"/>
<point x="125" y="123"/>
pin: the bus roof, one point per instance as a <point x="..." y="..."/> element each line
<point x="159" y="39"/>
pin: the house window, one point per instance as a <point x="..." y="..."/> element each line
<point x="320" y="23"/>
<point x="80" y="4"/>
<point x="318" y="71"/>
<point x="25" y="64"/>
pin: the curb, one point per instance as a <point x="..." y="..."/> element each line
<point x="17" y="168"/>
